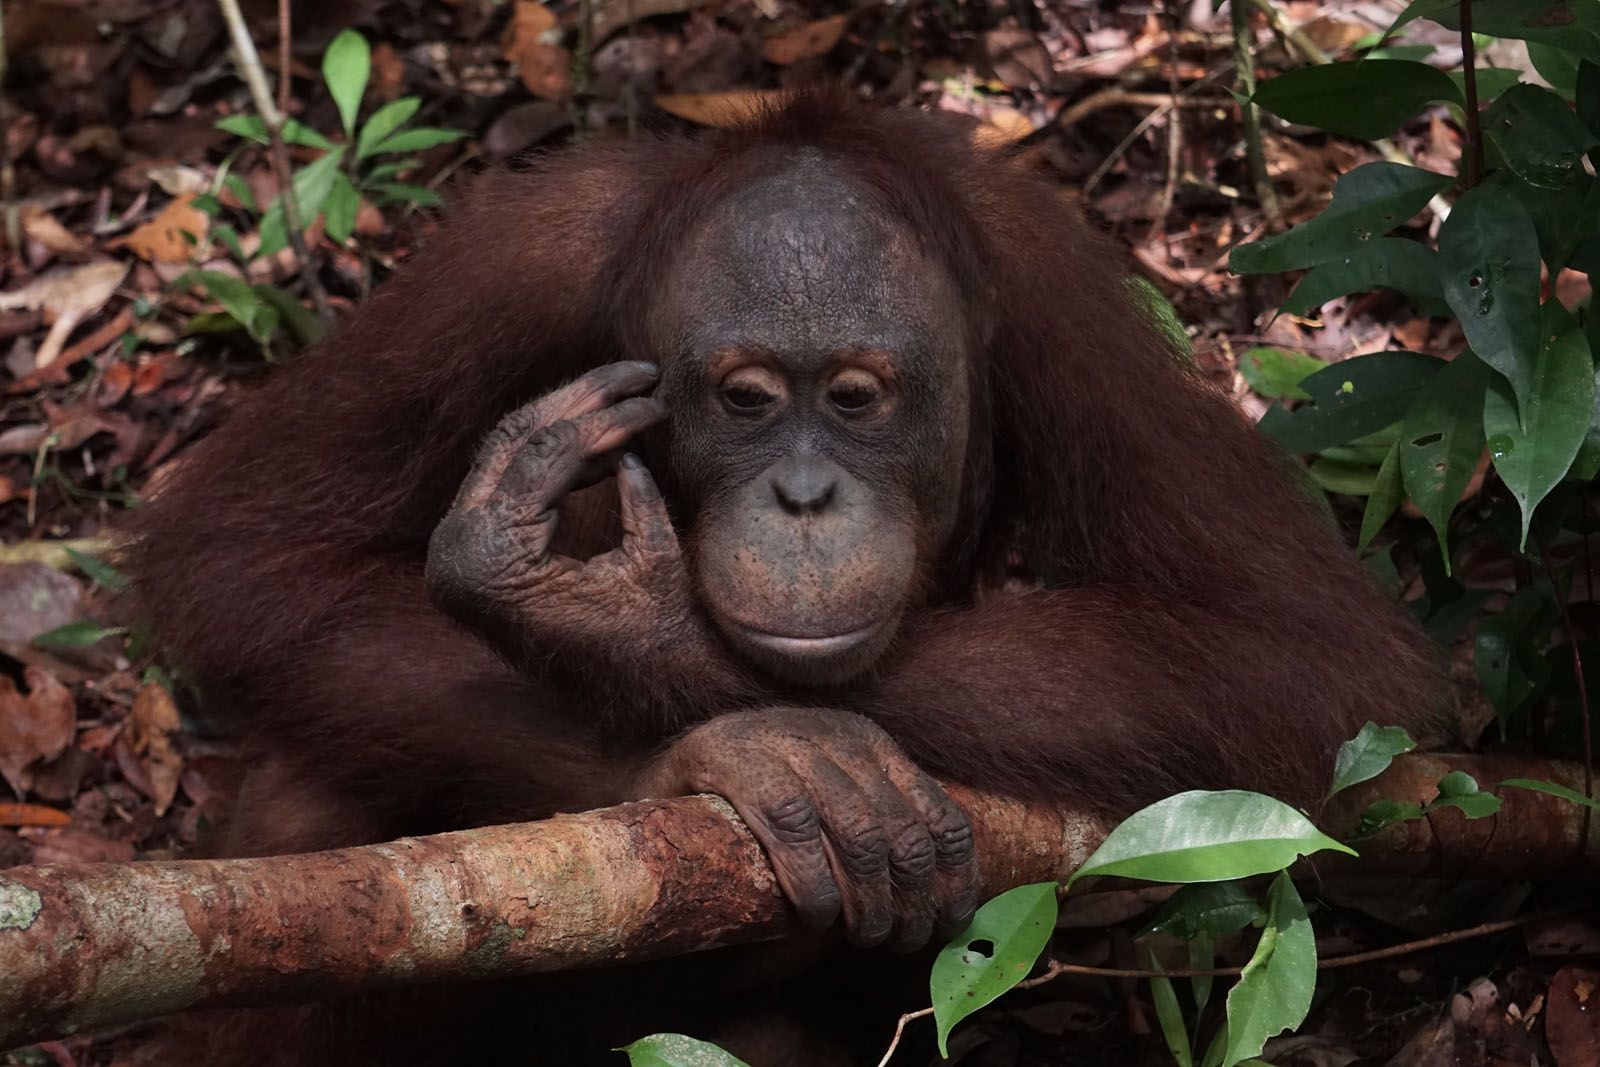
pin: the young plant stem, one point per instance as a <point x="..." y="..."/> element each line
<point x="1245" y="73"/>
<point x="255" y="78"/>
<point x="1469" y="77"/>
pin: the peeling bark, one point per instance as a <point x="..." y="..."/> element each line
<point x="92" y="945"/>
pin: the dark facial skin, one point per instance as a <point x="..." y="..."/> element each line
<point x="815" y="381"/>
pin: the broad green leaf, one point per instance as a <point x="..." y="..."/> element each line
<point x="1351" y="398"/>
<point x="1561" y="23"/>
<point x="1407" y="267"/>
<point x="1457" y="784"/>
<point x="297" y="132"/>
<point x="676" y="1050"/>
<point x="1368" y="202"/>
<point x="1207" y="837"/>
<point x="1387" y="493"/>
<point x="346" y="65"/>
<point x="1209" y="909"/>
<point x="1384" y="813"/>
<point x="1558" y="67"/>
<point x="76" y="634"/>
<point x="400" y="192"/>
<point x="385" y="171"/>
<point x="384" y="121"/>
<point x="339" y="209"/>
<point x="1459" y="790"/>
<point x="1492" y="81"/>
<point x="98" y="570"/>
<point x="1489" y="261"/>
<point x="1276" y="372"/>
<point x="1553" y="788"/>
<point x="1442" y="439"/>
<point x="1365" y="99"/>
<point x="1203" y="957"/>
<point x="236" y="185"/>
<point x="1340" y="476"/>
<point x="1368" y="754"/>
<point x="992" y="955"/>
<point x="311" y="184"/>
<point x="1274" y="992"/>
<point x="307" y="328"/>
<point x="1533" y="457"/>
<point x="416" y="140"/>
<point x="1563" y="218"/>
<point x="1537" y="135"/>
<point x="1507" y="668"/>
<point x="1170" y="1016"/>
<point x="1587" y="95"/>
<point x="1586" y="464"/>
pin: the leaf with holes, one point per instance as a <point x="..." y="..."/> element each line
<point x="1367" y="202"/>
<point x="1531" y="458"/>
<point x="1365" y="99"/>
<point x="1441" y="440"/>
<point x="1538" y="136"/>
<point x="1351" y="398"/>
<point x="676" y="1050"/>
<point x="992" y="955"/>
<point x="1204" y="836"/>
<point x="1489" y="261"/>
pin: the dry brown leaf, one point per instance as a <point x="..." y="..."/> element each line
<point x="43" y="227"/>
<point x="35" y="726"/>
<point x="530" y="42"/>
<point x="1020" y="60"/>
<point x="153" y="723"/>
<point x="805" y="42"/>
<point x="71" y="295"/>
<point x="1001" y="126"/>
<point x="719" y="109"/>
<point x="32" y="815"/>
<point x="175" y="235"/>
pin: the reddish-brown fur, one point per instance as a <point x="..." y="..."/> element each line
<point x="1198" y="625"/>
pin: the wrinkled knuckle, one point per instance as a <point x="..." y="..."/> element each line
<point x="794" y="820"/>
<point x="553" y="440"/>
<point x="914" y="854"/>
<point x="863" y="845"/>
<point x="953" y="840"/>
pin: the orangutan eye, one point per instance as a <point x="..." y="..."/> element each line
<point x="746" y="399"/>
<point x="855" y="392"/>
<point x="750" y="391"/>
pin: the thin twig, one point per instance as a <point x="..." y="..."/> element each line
<point x="1162" y="104"/>
<point x="1169" y="188"/>
<point x="1469" y="77"/>
<point x="255" y="77"/>
<point x="1245" y="75"/>
<point x="285" y="24"/>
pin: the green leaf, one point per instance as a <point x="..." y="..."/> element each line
<point x="1489" y="260"/>
<point x="1368" y="754"/>
<point x="250" y="127"/>
<point x="1367" y="202"/>
<point x="1340" y="476"/>
<point x="1365" y="99"/>
<point x="1553" y="788"/>
<point x="98" y="570"/>
<point x="76" y="634"/>
<point x="1384" y="813"/>
<point x="1209" y="909"/>
<point x="1273" y="993"/>
<point x="1457" y="784"/>
<point x="1537" y="135"/>
<point x="384" y="121"/>
<point x="1508" y="669"/>
<point x="1387" y="493"/>
<point x="1276" y="372"/>
<point x="1563" y="218"/>
<point x="1492" y="81"/>
<point x="237" y="298"/>
<point x="385" y="171"/>
<point x="297" y="132"/>
<point x="1564" y="24"/>
<point x="991" y="955"/>
<point x="236" y="185"/>
<point x="1407" y="267"/>
<point x="416" y="140"/>
<point x="1207" y="837"/>
<point x="312" y="184"/>
<point x="399" y="192"/>
<point x="1351" y="398"/>
<point x="1557" y="410"/>
<point x="1170" y="1016"/>
<point x="676" y="1050"/>
<point x="1558" y="67"/>
<point x="1459" y="790"/>
<point x="1442" y="439"/>
<point x="307" y="328"/>
<point x="339" y="209"/>
<point x="346" y="65"/>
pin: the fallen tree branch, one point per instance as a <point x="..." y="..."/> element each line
<point x="87" y="946"/>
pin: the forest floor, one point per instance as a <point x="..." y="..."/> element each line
<point x="111" y="365"/>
